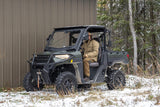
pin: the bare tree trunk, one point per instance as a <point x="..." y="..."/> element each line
<point x="134" y="36"/>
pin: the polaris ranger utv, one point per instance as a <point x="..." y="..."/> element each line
<point x="61" y="63"/>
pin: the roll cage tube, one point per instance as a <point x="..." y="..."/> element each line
<point x="49" y="38"/>
<point x="109" y="41"/>
<point x="98" y="27"/>
<point x="80" y="38"/>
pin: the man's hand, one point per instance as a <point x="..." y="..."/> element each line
<point x="85" y="56"/>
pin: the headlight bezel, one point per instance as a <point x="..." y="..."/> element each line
<point x="62" y="56"/>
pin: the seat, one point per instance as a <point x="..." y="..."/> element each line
<point x="96" y="64"/>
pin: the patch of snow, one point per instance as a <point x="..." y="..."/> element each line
<point x="138" y="92"/>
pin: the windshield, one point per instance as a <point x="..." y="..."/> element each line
<point x="65" y="38"/>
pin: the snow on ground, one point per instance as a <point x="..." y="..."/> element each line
<point x="138" y="92"/>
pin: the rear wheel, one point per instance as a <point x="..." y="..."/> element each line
<point x="30" y="84"/>
<point x="66" y="83"/>
<point x="115" y="79"/>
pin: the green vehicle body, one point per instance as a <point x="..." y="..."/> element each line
<point x="46" y="67"/>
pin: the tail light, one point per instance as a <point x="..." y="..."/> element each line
<point x="128" y="56"/>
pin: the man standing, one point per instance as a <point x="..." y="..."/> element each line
<point x="90" y="48"/>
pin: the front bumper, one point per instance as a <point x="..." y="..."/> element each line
<point x="44" y="74"/>
<point x="45" y="65"/>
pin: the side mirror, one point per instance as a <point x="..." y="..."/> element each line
<point x="49" y="37"/>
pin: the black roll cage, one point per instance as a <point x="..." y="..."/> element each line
<point x="83" y="33"/>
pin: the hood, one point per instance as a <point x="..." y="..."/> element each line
<point x="59" y="52"/>
<point x="45" y="53"/>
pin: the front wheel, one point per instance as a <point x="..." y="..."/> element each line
<point x="115" y="79"/>
<point x="30" y="83"/>
<point x="66" y="83"/>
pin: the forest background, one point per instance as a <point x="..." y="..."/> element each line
<point x="114" y="14"/>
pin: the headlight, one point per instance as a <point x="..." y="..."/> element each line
<point x="62" y="56"/>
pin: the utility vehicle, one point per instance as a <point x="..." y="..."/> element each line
<point x="61" y="63"/>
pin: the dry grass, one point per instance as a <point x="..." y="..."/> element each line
<point x="91" y="98"/>
<point x="150" y="97"/>
<point x="12" y="89"/>
<point x="25" y="93"/>
<point x="15" y="101"/>
<point x="138" y="85"/>
<point x="106" y="102"/>
<point x="140" y="93"/>
<point x="78" y="103"/>
<point x="48" y="98"/>
<point x="157" y="100"/>
<point x="137" y="100"/>
<point x="2" y="101"/>
<point x="149" y="69"/>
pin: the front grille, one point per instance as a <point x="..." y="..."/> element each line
<point x="41" y="58"/>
